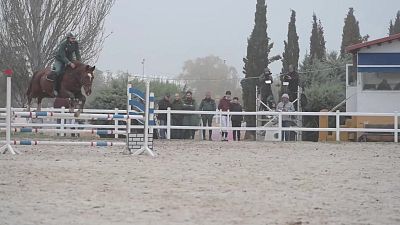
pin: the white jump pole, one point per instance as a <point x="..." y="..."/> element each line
<point x="145" y="147"/>
<point x="7" y="146"/>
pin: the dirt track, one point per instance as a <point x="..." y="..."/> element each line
<point x="204" y="183"/>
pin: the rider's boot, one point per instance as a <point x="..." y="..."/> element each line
<point x="57" y="85"/>
<point x="52" y="76"/>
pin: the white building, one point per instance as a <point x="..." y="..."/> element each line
<point x="374" y="84"/>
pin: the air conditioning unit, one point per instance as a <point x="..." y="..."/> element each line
<point x="271" y="135"/>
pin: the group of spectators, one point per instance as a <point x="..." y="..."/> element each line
<point x="206" y="104"/>
<point x="290" y="83"/>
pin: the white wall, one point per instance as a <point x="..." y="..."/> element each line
<point x="378" y="101"/>
<point x="387" y="47"/>
<point x="351" y="102"/>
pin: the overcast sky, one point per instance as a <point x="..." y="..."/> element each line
<point x="166" y="33"/>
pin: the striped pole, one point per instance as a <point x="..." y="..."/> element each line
<point x="71" y="116"/>
<point x="68" y="143"/>
<point x="69" y="131"/>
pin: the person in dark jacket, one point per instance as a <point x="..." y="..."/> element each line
<point x="177" y="119"/>
<point x="265" y="81"/>
<point x="292" y="88"/>
<point x="207" y="104"/>
<point x="163" y="104"/>
<point x="188" y="119"/>
<point x="67" y="51"/>
<point x="225" y="105"/>
<point x="236" y="119"/>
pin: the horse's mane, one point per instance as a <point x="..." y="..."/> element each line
<point x="79" y="66"/>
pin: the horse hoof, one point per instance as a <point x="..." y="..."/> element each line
<point x="77" y="114"/>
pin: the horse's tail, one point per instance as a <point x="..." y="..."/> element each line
<point x="28" y="92"/>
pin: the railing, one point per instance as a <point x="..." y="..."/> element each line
<point x="218" y="114"/>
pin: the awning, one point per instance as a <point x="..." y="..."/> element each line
<point x="379" y="62"/>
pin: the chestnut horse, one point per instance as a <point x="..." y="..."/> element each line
<point x="71" y="84"/>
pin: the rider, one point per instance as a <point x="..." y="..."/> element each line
<point x="63" y="57"/>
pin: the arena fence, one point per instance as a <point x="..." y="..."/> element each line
<point x="119" y="130"/>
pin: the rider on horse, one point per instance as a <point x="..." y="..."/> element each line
<point x="64" y="57"/>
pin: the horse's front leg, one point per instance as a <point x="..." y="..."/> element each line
<point x="39" y="104"/>
<point x="82" y="100"/>
<point x="28" y="108"/>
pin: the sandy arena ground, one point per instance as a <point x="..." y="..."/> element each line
<point x="204" y="183"/>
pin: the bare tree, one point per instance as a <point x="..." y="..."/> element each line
<point x="210" y="73"/>
<point x="30" y="31"/>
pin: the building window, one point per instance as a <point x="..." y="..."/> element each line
<point x="380" y="81"/>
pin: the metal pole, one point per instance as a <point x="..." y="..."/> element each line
<point x="62" y="121"/>
<point x="257" y="103"/>
<point x="169" y="123"/>
<point x="280" y="126"/>
<point x="396" y="127"/>
<point x="143" y="61"/>
<point x="337" y="125"/>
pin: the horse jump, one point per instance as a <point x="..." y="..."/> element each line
<point x="128" y="117"/>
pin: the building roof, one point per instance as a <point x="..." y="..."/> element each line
<point x="355" y="48"/>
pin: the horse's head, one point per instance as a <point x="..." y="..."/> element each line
<point x="87" y="78"/>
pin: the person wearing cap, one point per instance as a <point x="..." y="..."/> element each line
<point x="225" y="106"/>
<point x="285" y="106"/>
<point x="163" y="104"/>
<point x="66" y="53"/>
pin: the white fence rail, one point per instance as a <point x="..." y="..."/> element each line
<point x="120" y="129"/>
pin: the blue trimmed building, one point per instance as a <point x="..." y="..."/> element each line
<point x="373" y="84"/>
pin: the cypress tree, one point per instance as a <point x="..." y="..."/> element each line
<point x="256" y="61"/>
<point x="351" y="32"/>
<point x="321" y="54"/>
<point x="317" y="41"/>
<point x="391" y="31"/>
<point x="291" y="54"/>
<point x="395" y="28"/>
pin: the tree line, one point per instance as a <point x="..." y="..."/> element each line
<point x="322" y="73"/>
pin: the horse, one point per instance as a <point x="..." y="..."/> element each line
<point x="72" y="82"/>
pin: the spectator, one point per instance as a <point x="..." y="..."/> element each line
<point x="176" y="119"/>
<point x="236" y="119"/>
<point x="397" y="87"/>
<point x="265" y="81"/>
<point x="188" y="119"/>
<point x="224" y="105"/>
<point x="293" y="79"/>
<point x="384" y="85"/>
<point x="207" y="104"/>
<point x="286" y="106"/>
<point x="163" y="104"/>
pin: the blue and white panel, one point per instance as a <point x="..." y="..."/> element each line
<point x="379" y="62"/>
<point x="151" y="109"/>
